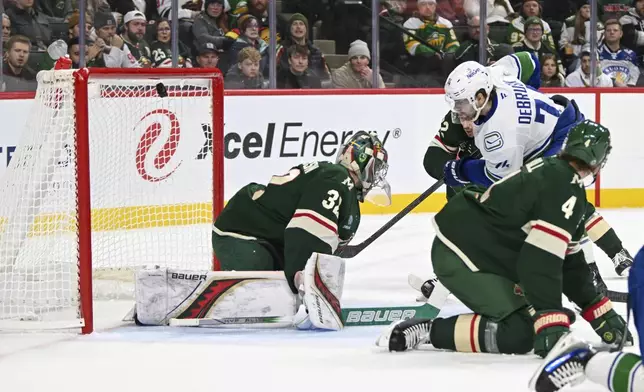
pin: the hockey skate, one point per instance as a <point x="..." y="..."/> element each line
<point x="563" y="366"/>
<point x="405" y="335"/>
<point x="623" y="262"/>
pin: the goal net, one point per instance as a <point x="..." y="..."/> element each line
<point x="116" y="170"/>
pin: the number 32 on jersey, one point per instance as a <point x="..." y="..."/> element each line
<point x="332" y="202"/>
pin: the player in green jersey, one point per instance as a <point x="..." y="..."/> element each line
<point x="515" y="258"/>
<point x="312" y="208"/>
<point x="453" y="141"/>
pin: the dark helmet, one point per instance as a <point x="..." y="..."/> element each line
<point x="364" y="155"/>
<point x="589" y="142"/>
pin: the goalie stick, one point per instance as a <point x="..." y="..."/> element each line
<point x="351" y="317"/>
<point x="350" y="251"/>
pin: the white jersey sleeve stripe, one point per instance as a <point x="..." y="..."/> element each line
<point x="317" y="225"/>
<point x="437" y="142"/>
<point x="549" y="238"/>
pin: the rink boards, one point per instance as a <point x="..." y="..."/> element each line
<point x="265" y="135"/>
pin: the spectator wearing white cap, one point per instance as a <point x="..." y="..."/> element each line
<point x="356" y="72"/>
<point x="135" y="24"/>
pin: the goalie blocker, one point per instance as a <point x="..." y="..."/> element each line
<point x="258" y="298"/>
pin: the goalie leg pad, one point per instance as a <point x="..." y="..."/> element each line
<point x="323" y="283"/>
<point x="162" y="294"/>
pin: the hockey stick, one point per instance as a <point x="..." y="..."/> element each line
<point x="350" y="251"/>
<point x="617" y="296"/>
<point x="351" y="317"/>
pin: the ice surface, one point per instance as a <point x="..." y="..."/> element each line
<point x="120" y="357"/>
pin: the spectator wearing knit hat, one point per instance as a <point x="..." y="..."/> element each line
<point x="74" y="28"/>
<point x="258" y="9"/>
<point x="356" y="72"/>
<point x="110" y="48"/>
<point x="516" y="33"/>
<point x="298" y="29"/>
<point x="249" y="29"/>
<point x="212" y="24"/>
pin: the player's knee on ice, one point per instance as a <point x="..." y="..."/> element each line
<point x="501" y="321"/>
<point x="515" y="333"/>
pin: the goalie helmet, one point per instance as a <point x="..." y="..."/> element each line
<point x="364" y="156"/>
<point x="462" y="85"/>
<point x="589" y="142"/>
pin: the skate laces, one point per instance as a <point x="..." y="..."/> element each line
<point x="570" y="373"/>
<point x="417" y="334"/>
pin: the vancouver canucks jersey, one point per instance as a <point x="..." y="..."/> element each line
<point x="526" y="228"/>
<point x="312" y="208"/>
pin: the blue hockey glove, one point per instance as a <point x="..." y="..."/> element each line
<point x="452" y="173"/>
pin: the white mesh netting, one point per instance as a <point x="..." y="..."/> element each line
<point x="151" y="191"/>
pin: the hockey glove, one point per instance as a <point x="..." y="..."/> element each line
<point x="549" y="326"/>
<point x="452" y="173"/>
<point x="605" y="321"/>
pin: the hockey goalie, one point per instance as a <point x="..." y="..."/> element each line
<point x="275" y="244"/>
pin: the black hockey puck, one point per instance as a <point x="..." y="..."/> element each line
<point x="161" y="90"/>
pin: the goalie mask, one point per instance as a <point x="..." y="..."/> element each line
<point x="365" y="157"/>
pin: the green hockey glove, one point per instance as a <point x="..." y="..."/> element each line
<point x="549" y="326"/>
<point x="605" y="321"/>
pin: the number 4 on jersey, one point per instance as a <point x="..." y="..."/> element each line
<point x="568" y="207"/>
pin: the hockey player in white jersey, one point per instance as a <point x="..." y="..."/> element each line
<point x="512" y="123"/>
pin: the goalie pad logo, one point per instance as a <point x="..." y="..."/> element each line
<point x="177" y="275"/>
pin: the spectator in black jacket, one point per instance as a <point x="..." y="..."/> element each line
<point x="25" y="20"/>
<point x="17" y="75"/>
<point x="246" y="73"/>
<point x="58" y="10"/>
<point x="211" y="26"/>
<point x="297" y="75"/>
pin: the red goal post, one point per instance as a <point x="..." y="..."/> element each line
<point x="117" y="169"/>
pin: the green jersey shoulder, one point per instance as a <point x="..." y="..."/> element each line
<point x="319" y="197"/>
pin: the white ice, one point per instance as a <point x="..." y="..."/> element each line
<point x="121" y="357"/>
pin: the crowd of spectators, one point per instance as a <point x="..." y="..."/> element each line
<point x="421" y="41"/>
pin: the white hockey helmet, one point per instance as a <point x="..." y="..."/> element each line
<point x="461" y="88"/>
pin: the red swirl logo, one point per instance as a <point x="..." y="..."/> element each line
<point x="164" y="155"/>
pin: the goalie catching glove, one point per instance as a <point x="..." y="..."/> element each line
<point x="320" y="289"/>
